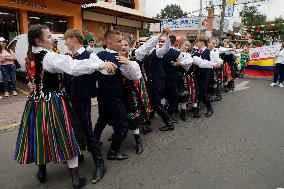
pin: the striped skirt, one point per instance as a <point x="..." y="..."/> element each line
<point x="46" y="131"/>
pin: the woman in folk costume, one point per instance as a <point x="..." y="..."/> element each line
<point x="46" y="130"/>
<point x="229" y="67"/>
<point x="137" y="108"/>
<point x="183" y="87"/>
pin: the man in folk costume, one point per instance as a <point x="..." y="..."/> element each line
<point x="111" y="103"/>
<point x="172" y="76"/>
<point x="80" y="90"/>
<point x="156" y="77"/>
<point x="202" y="75"/>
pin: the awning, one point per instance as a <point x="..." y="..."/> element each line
<point x="80" y="1"/>
<point x="115" y="13"/>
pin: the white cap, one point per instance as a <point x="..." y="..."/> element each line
<point x="2" y="39"/>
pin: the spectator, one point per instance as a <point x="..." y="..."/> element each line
<point x="91" y="47"/>
<point x="279" y="69"/>
<point x="55" y="46"/>
<point x="7" y="67"/>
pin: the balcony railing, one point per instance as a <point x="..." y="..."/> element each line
<point x="126" y="3"/>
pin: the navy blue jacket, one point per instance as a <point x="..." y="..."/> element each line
<point x="81" y="87"/>
<point x="172" y="72"/>
<point x="110" y="85"/>
<point x="154" y="67"/>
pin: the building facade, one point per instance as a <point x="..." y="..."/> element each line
<point x="123" y="15"/>
<point x="17" y="15"/>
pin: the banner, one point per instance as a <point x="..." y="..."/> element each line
<point x="265" y="52"/>
<point x="187" y="24"/>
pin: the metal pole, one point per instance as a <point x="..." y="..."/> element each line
<point x="200" y="14"/>
<point x="222" y="19"/>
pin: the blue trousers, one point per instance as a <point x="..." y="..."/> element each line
<point x="8" y="73"/>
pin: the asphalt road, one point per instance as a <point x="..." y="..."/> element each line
<point x="241" y="146"/>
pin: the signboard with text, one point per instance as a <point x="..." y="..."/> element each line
<point x="187" y="24"/>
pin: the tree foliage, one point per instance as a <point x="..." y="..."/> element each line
<point x="273" y="29"/>
<point x="172" y="11"/>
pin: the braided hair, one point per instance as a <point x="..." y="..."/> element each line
<point x="35" y="32"/>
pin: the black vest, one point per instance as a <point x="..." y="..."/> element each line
<point x="154" y="67"/>
<point x="204" y="55"/>
<point x="81" y="87"/>
<point x="172" y="72"/>
<point x="110" y="85"/>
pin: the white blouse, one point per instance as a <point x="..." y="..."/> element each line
<point x="280" y="57"/>
<point x="149" y="45"/>
<point x="58" y="63"/>
<point x="186" y="60"/>
<point x="131" y="71"/>
<point x="214" y="60"/>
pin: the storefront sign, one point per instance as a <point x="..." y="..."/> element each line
<point x="31" y="3"/>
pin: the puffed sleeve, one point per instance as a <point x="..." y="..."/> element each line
<point x="131" y="71"/>
<point x="57" y="63"/>
<point x="186" y="60"/>
<point x="144" y="49"/>
<point x="215" y="58"/>
<point x="202" y="63"/>
<point x="164" y="49"/>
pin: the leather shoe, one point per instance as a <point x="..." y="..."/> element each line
<point x="116" y="156"/>
<point x="168" y="127"/>
<point x="209" y="113"/>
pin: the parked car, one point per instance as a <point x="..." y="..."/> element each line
<point x="20" y="46"/>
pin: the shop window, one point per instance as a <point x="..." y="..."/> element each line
<point x="56" y="24"/>
<point x="126" y="3"/>
<point x="8" y="24"/>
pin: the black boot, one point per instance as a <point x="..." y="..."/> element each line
<point x="78" y="182"/>
<point x="113" y="155"/>
<point x="168" y="127"/>
<point x="100" y="168"/>
<point x="138" y="144"/>
<point x="81" y="158"/>
<point x="182" y="115"/>
<point x="209" y="112"/>
<point x="41" y="174"/>
<point x="147" y="128"/>
<point x="172" y="117"/>
<point x="196" y="112"/>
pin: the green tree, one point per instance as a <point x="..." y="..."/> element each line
<point x="172" y="11"/>
<point x="277" y="26"/>
<point x="252" y="17"/>
<point x="145" y="32"/>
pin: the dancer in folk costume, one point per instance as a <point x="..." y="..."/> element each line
<point x="135" y="107"/>
<point x="214" y="60"/>
<point x="155" y="72"/>
<point x="80" y="90"/>
<point x="46" y="130"/>
<point x="229" y="67"/>
<point x="183" y="77"/>
<point x="111" y="101"/>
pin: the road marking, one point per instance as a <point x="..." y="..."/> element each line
<point x="8" y="127"/>
<point x="241" y="86"/>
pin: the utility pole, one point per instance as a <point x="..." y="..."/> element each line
<point x="200" y="15"/>
<point x="220" y="33"/>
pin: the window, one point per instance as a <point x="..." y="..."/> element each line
<point x="126" y="3"/>
<point x="8" y="24"/>
<point x="56" y="24"/>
